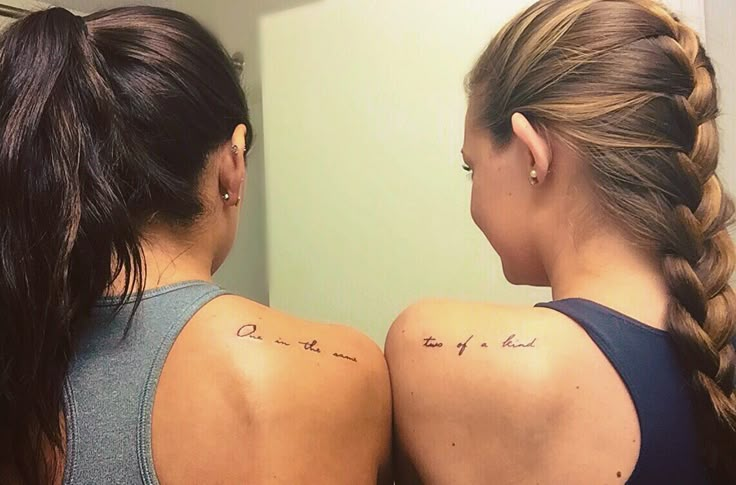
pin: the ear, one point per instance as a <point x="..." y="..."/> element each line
<point x="232" y="167"/>
<point x="536" y="143"/>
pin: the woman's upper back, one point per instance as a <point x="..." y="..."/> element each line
<point x="207" y="387"/>
<point x="647" y="362"/>
<point x="580" y="395"/>
<point x="112" y="383"/>
<point x="115" y="128"/>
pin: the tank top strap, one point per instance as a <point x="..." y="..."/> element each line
<point x="647" y="362"/>
<point x="112" y="380"/>
<point x="187" y="303"/>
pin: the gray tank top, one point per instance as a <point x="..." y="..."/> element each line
<point x="112" y="382"/>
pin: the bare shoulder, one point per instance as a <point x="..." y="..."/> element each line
<point x="288" y="340"/>
<point x="515" y="393"/>
<point x="306" y="402"/>
<point x="495" y="350"/>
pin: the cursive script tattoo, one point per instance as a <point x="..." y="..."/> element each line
<point x="311" y="346"/>
<point x="512" y="343"/>
<point x="249" y="331"/>
<point x="346" y="357"/>
<point x="432" y="343"/>
<point x="464" y="345"/>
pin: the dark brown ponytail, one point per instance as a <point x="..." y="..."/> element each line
<point x="105" y="123"/>
<point x="61" y="218"/>
<point x="698" y="254"/>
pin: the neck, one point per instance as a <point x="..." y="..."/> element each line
<point x="611" y="271"/>
<point x="172" y="256"/>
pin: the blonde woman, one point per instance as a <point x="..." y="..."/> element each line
<point x="592" y="141"/>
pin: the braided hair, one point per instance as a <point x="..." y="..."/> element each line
<point x="630" y="87"/>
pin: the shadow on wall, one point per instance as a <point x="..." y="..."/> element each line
<point x="237" y="24"/>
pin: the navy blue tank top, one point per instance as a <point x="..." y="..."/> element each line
<point x="646" y="359"/>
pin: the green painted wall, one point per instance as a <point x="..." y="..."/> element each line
<point x="367" y="206"/>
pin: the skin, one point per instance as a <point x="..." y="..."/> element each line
<point x="524" y="414"/>
<point x="237" y="410"/>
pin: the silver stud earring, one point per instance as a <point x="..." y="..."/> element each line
<point x="533" y="177"/>
<point x="234" y="149"/>
<point x="226" y="196"/>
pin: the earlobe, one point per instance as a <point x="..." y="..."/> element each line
<point x="538" y="146"/>
<point x="533" y="177"/>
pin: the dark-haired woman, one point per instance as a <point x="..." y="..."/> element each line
<point x="123" y="141"/>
